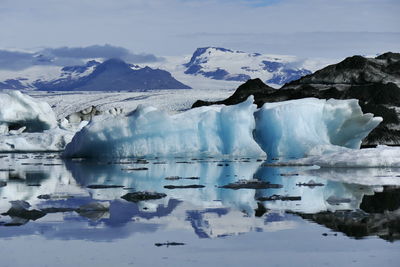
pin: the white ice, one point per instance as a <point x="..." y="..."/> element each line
<point x="28" y="124"/>
<point x="382" y="156"/>
<point x="20" y="110"/>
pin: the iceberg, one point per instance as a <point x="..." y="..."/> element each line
<point x="206" y="131"/>
<point x="307" y="126"/>
<point x="21" y="112"/>
<point x="28" y="124"/>
<point x="292" y="128"/>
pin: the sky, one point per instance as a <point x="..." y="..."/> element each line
<point x="306" y="28"/>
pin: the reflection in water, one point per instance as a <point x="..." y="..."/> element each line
<point x="357" y="202"/>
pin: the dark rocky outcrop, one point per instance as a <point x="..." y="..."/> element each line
<point x="373" y="81"/>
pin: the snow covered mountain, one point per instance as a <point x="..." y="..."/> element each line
<point x="225" y="64"/>
<point x="110" y="75"/>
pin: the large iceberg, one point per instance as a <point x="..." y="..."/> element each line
<point x="217" y="130"/>
<point x="307" y="126"/>
<point x="290" y="128"/>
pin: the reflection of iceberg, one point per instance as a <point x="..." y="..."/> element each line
<point x="290" y="128"/>
<point x="209" y="172"/>
<point x="360" y="176"/>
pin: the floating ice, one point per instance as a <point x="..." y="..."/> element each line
<point x="382" y="156"/>
<point x="217" y="130"/>
<point x="311" y="126"/>
<point x="18" y="111"/>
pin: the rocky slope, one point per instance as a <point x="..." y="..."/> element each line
<point x="373" y="81"/>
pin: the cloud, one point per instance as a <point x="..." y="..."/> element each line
<point x="100" y="51"/>
<point x="63" y="56"/>
<point x="15" y="60"/>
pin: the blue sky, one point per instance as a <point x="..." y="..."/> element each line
<point x="318" y="28"/>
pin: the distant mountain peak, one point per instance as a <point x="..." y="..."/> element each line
<point x="111" y="75"/>
<point x="225" y="64"/>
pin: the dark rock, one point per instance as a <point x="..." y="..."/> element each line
<point x="261" y="210"/>
<point x="3" y="183"/>
<point x="174" y="178"/>
<point x="279" y="197"/>
<point x="183" y="186"/>
<point x="167" y="244"/>
<point x="103" y="186"/>
<point x="54" y="196"/>
<point x="251" y="184"/>
<point x="142" y="196"/>
<point x="311" y="184"/>
<point x="135" y="169"/>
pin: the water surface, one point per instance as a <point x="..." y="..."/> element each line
<point x="312" y="217"/>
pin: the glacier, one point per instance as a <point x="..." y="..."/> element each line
<point x="295" y="128"/>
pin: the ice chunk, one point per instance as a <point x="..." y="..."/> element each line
<point x="311" y="126"/>
<point x="18" y="110"/>
<point x="382" y="156"/>
<point x="216" y="130"/>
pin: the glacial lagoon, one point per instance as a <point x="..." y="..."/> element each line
<point x="57" y="212"/>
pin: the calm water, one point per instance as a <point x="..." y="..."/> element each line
<point x="313" y="217"/>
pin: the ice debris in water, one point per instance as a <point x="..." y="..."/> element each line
<point x="381" y="156"/>
<point x="291" y="128"/>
